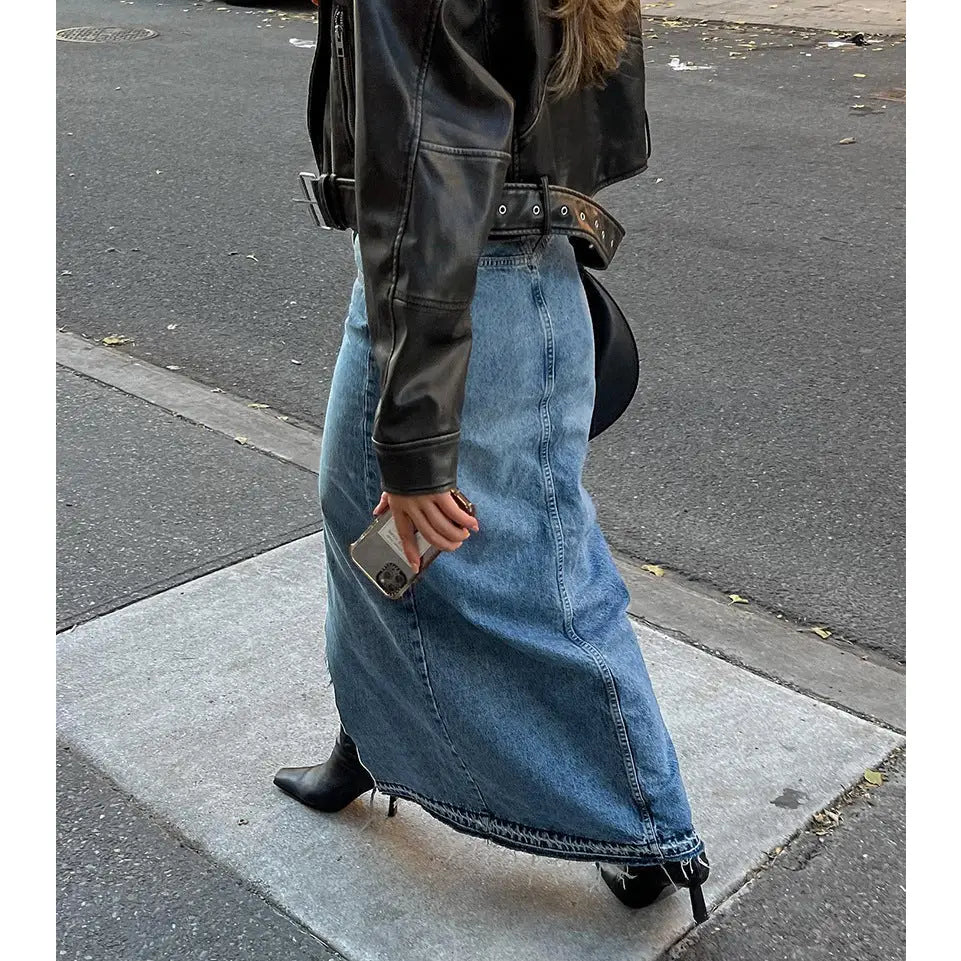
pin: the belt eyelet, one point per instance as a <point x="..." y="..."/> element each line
<point x="502" y="210"/>
<point x="564" y="211"/>
<point x="583" y="215"/>
<point x="536" y="210"/>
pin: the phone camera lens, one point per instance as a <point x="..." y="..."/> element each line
<point x="391" y="578"/>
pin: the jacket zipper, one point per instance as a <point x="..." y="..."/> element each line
<point x="346" y="72"/>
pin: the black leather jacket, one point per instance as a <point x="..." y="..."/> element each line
<point x="427" y="108"/>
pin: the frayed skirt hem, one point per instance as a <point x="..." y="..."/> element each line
<point x="520" y="837"/>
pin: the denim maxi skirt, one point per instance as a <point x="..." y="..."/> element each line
<point x="505" y="693"/>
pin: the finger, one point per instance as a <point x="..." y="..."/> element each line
<point x="456" y="513"/>
<point x="405" y="529"/>
<point x="382" y="505"/>
<point x="427" y="530"/>
<point x="443" y="525"/>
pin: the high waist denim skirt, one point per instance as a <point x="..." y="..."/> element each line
<point x="505" y="693"/>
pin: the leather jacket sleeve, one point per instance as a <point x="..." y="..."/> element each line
<point x="433" y="140"/>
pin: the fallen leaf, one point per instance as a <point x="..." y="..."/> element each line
<point x="296" y="361"/>
<point x="653" y="569"/>
<point x="828" y="818"/>
<point x="259" y="406"/>
<point x="241" y="440"/>
<point x="283" y="417"/>
<point x="846" y="140"/>
<point x="216" y="390"/>
<point x="115" y="340"/>
<point x="737" y="599"/>
<point x="252" y="257"/>
<point x="821" y="632"/>
<point x="873" y="777"/>
<point x="860" y="76"/>
<point x="173" y="367"/>
<point x="171" y="326"/>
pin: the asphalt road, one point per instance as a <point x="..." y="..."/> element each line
<point x="763" y="272"/>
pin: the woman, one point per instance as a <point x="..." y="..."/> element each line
<point x="462" y="143"/>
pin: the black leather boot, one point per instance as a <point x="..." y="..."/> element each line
<point x="332" y="785"/>
<point x="638" y="886"/>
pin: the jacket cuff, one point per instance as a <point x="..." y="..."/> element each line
<point x="419" y="467"/>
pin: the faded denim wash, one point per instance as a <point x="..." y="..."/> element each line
<point x="506" y="692"/>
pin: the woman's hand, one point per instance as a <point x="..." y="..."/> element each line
<point x="436" y="517"/>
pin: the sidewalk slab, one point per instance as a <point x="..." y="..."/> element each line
<point x="226" y="683"/>
<point x="129" y="890"/>
<point x="145" y="500"/>
<point x="867" y="16"/>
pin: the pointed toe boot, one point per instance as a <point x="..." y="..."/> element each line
<point x="639" y="886"/>
<point x="332" y="785"/>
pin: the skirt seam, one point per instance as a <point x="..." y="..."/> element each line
<point x="607" y="678"/>
<point x="411" y="603"/>
<point x="422" y="653"/>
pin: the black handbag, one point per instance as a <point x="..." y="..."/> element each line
<point x="616" y="365"/>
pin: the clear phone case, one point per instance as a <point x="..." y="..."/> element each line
<point x="379" y="553"/>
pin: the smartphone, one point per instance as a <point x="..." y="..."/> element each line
<point x="379" y="553"/>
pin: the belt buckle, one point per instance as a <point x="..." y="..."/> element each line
<point x="310" y="185"/>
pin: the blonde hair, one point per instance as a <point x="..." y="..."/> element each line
<point x="594" y="35"/>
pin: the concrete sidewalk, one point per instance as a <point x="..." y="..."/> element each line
<point x="175" y="710"/>
<point x="225" y="684"/>
<point x="865" y="16"/>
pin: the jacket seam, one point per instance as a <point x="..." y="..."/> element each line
<point x="430" y="303"/>
<point x="541" y="81"/>
<point x="411" y="163"/>
<point x="525" y="134"/>
<point x="487" y="45"/>
<point x="420" y="443"/>
<point x="485" y="152"/>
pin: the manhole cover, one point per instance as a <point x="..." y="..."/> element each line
<point x="105" y="34"/>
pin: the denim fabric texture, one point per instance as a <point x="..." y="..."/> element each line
<point x="505" y="692"/>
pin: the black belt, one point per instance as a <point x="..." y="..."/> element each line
<point x="524" y="210"/>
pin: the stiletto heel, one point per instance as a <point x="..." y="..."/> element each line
<point x="392" y="806"/>
<point x="637" y="886"/>
<point x="697" y="904"/>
